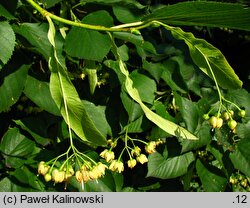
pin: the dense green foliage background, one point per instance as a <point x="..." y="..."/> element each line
<point x="151" y="73"/>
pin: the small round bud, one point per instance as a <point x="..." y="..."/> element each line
<point x="242" y="113"/>
<point x="226" y="115"/>
<point x="213" y="122"/>
<point x="231" y="112"/>
<point x="205" y="116"/>
<point x="232" y="124"/>
<point x="219" y="123"/>
<point x="47" y="177"/>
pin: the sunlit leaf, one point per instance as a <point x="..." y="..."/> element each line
<point x="208" y="58"/>
<point x="164" y="124"/>
<point x="203" y="13"/>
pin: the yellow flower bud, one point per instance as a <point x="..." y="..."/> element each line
<point x="150" y="147"/>
<point x="85" y="176"/>
<point x="43" y="168"/>
<point x="142" y="159"/>
<point x="79" y="176"/>
<point x="132" y="163"/>
<point x="136" y="151"/>
<point x="103" y="153"/>
<point x="117" y="166"/>
<point x="108" y="155"/>
<point x="47" y="177"/>
<point x="58" y="176"/>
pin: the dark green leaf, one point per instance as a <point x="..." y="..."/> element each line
<point x="37" y="35"/>
<point x="39" y="126"/>
<point x="7" y="42"/>
<point x="208" y="58"/>
<point x="8" y="184"/>
<point x="243" y="130"/>
<point x="39" y="93"/>
<point x="204" y="135"/>
<point x="189" y="111"/>
<point x="203" y="13"/>
<point x="240" y="97"/>
<point x="241" y="157"/>
<point x="165" y="168"/>
<point x="28" y="179"/>
<point x="16" y="144"/>
<point x="97" y="115"/>
<point x="5" y="13"/>
<point x="15" y="147"/>
<point x="12" y="87"/>
<point x="50" y="3"/>
<point x="211" y="177"/>
<point x="128" y="3"/>
<point x="127" y="15"/>
<point x="88" y="44"/>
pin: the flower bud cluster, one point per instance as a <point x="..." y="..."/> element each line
<point x="55" y="174"/>
<point x="88" y="171"/>
<point x="227" y="116"/>
<point x="135" y="155"/>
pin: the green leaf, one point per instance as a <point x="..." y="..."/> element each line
<point x="37" y="35"/>
<point x="189" y="111"/>
<point x="7" y="42"/>
<point x="14" y="146"/>
<point x="197" y="13"/>
<point x="5" y="13"/>
<point x="240" y="97"/>
<point x="204" y="135"/>
<point x="243" y="130"/>
<point x="208" y="58"/>
<point x="12" y="87"/>
<point x="97" y="115"/>
<point x="211" y="177"/>
<point x="127" y="15"/>
<point x="164" y="124"/>
<point x="241" y="157"/>
<point x="166" y="168"/>
<point x="88" y="44"/>
<point x="128" y="3"/>
<point x="67" y="99"/>
<point x="64" y="94"/>
<point x="104" y="184"/>
<point x="133" y="109"/>
<point x="39" y="127"/>
<point x="7" y="184"/>
<point x="39" y="93"/>
<point x="50" y="3"/>
<point x="28" y="179"/>
<point x="145" y="86"/>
